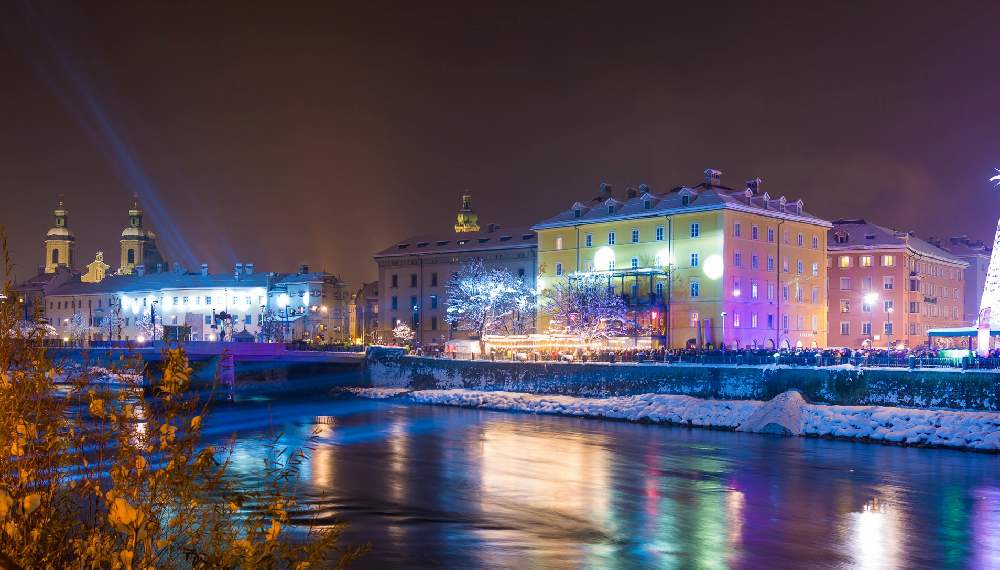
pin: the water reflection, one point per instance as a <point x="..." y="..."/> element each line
<point x="445" y="487"/>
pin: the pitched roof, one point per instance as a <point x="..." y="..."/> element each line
<point x="856" y="233"/>
<point x="160" y="281"/>
<point x="700" y="197"/>
<point x="499" y="238"/>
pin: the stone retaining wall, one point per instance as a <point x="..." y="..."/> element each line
<point x="919" y="388"/>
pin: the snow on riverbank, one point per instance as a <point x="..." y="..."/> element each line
<point x="787" y="413"/>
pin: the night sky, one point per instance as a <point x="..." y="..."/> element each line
<point x="287" y="132"/>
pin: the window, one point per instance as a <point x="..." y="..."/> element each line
<point x="866" y="328"/>
<point x="784" y="265"/>
<point x="647" y="204"/>
<point x="800" y="240"/>
<point x="208" y="300"/>
<point x="247" y="319"/>
<point x="887" y="305"/>
<point x="914" y="307"/>
<point x="434" y="323"/>
<point x="434" y="301"/>
<point x="736" y="319"/>
<point x="131" y="255"/>
<point x="815" y="269"/>
<point x="784" y="322"/>
<point x="784" y="292"/>
<point x="694" y="319"/>
<point x="844" y="261"/>
<point x="887" y="328"/>
<point x="754" y="232"/>
<point x="208" y="319"/>
<point x="753" y="320"/>
<point x="588" y="240"/>
<point x="737" y="259"/>
<point x="413" y="304"/>
<point x="845" y="283"/>
<point x="887" y="282"/>
<point x="186" y="300"/>
<point x="866" y="283"/>
<point x="770" y="264"/>
<point x="770" y="320"/>
<point x="815" y="295"/>
<point x="611" y="238"/>
<point x="635" y="263"/>
<point x="659" y="233"/>
<point x="815" y="242"/>
<point x="635" y="235"/>
<point x="695" y="230"/>
<point x="694" y="260"/>
<point x="866" y="307"/>
<point x="695" y="289"/>
<point x="800" y="322"/>
<point x="770" y="235"/>
<point x="559" y="242"/>
<point x="753" y="289"/>
<point x="611" y="264"/>
<point x="845" y="306"/>
<point x="395" y="281"/>
<point x="845" y="328"/>
<point x="814" y="323"/>
<point x="913" y="328"/>
<point x="577" y="212"/>
<point x="434" y="278"/>
<point x="685" y="200"/>
<point x="634" y="291"/>
<point x="659" y="290"/>
<point x="888" y="261"/>
<point x="737" y="229"/>
<point x="798" y="293"/>
<point x="559" y="269"/>
<point x="799" y="267"/>
<point x="413" y="280"/>
<point x="395" y="303"/>
<point x="770" y="291"/>
<point x="754" y="261"/>
<point x="520" y="272"/>
<point x="865" y="261"/>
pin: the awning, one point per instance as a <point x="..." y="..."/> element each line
<point x="959" y="332"/>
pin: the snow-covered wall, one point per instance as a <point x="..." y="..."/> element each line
<point x="957" y="389"/>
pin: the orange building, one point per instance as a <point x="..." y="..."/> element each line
<point x="887" y="288"/>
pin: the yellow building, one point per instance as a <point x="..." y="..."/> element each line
<point x="701" y="265"/>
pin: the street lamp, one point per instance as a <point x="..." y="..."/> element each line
<point x="888" y="333"/>
<point x="870" y="299"/>
<point x="722" y="341"/>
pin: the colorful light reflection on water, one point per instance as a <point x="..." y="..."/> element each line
<point x="446" y="487"/>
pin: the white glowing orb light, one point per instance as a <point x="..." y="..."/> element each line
<point x="713" y="266"/>
<point x="996" y="179"/>
<point x="736" y="293"/>
<point x="140" y="339"/>
<point x="283" y="300"/>
<point x="211" y="337"/>
<point x="871" y="298"/>
<point x="604" y="259"/>
<point x="663" y="258"/>
<point x="135" y="306"/>
<point x="305" y="299"/>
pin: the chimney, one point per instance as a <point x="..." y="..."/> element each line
<point x="713" y="177"/>
<point x="753" y="185"/>
<point x="140" y="270"/>
<point x="303" y="269"/>
<point x="248" y="269"/>
<point x="631" y="192"/>
<point x="204" y="270"/>
<point x="492" y="228"/>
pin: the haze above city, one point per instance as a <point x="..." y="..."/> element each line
<point x="325" y="133"/>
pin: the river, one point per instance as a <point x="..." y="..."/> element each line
<point x="448" y="487"/>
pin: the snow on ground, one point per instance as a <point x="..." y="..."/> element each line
<point x="787" y="413"/>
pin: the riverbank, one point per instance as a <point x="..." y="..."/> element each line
<point x="786" y="414"/>
<point x="839" y="385"/>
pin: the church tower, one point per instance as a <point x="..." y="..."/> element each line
<point x="138" y="244"/>
<point x="59" y="242"/>
<point x="466" y="220"/>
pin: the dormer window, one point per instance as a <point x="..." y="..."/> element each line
<point x="611" y="208"/>
<point x="647" y="204"/>
<point x="840" y="237"/>
<point x="577" y="212"/>
<point x="685" y="200"/>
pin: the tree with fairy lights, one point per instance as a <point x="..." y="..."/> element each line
<point x="77" y="328"/>
<point x="147" y="328"/>
<point x="485" y="300"/>
<point x="403" y="333"/>
<point x="586" y="306"/>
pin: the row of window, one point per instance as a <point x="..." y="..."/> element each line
<point x="394" y="279"/>
<point x="866" y="328"/>
<point x="847" y="261"/>
<point x="414" y="306"/>
<point x="737" y="321"/>
<point x="694" y="231"/>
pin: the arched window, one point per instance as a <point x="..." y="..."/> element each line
<point x="131" y="255"/>
<point x="55" y="256"/>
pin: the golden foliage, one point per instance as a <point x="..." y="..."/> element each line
<point x="100" y="476"/>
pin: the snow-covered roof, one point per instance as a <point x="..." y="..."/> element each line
<point x="700" y="197"/>
<point x="485" y="240"/>
<point x="858" y="234"/>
